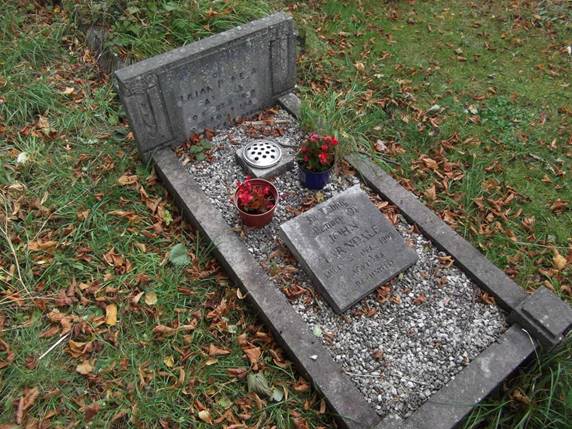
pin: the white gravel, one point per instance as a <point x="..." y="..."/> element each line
<point x="400" y="344"/>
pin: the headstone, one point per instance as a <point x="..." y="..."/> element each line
<point x="208" y="83"/>
<point x="348" y="247"/>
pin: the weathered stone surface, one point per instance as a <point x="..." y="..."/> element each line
<point x="545" y="316"/>
<point x="346" y="402"/>
<point x="208" y="83"/>
<point x="348" y="247"/>
<point x="448" y="407"/>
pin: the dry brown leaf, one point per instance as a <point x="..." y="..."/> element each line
<point x="26" y="401"/>
<point x="431" y="193"/>
<point x="559" y="261"/>
<point x="35" y="246"/>
<point x="239" y="373"/>
<point x="84" y="368"/>
<point x="430" y="163"/>
<point x="205" y="416"/>
<point x="301" y="385"/>
<point x="217" y="351"/>
<point x="111" y="314"/>
<point x="420" y="299"/>
<point x="90" y="411"/>
<point x="169" y="361"/>
<point x="253" y="354"/>
<point x="150" y="298"/>
<point x="164" y="330"/>
<point x="127" y="179"/>
<point x="50" y="332"/>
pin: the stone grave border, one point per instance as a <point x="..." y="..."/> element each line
<point x="449" y="406"/>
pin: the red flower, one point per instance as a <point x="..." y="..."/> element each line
<point x="317" y="152"/>
<point x="254" y="198"/>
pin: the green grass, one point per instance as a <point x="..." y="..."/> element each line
<point x="498" y="73"/>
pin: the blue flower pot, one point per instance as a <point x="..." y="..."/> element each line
<point x="312" y="179"/>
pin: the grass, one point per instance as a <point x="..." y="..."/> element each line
<point x="479" y="89"/>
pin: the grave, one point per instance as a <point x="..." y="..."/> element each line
<point x="348" y="247"/>
<point x="210" y="83"/>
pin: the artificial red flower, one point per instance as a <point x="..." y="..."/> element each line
<point x="318" y="153"/>
<point x="254" y="198"/>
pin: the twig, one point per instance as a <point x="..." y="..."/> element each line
<point x="63" y="337"/>
<point x="540" y="245"/>
<point x="12" y="250"/>
<point x="277" y="121"/>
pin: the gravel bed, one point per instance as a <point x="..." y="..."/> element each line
<point x="399" y="345"/>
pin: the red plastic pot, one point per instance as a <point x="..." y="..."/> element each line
<point x="258" y="220"/>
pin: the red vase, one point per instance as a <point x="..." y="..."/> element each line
<point x="258" y="220"/>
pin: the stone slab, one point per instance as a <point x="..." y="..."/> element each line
<point x="285" y="164"/>
<point x="483" y="272"/>
<point x="208" y="83"/>
<point x="346" y="403"/>
<point x="348" y="247"/>
<point x="448" y="407"/>
<point x="545" y="316"/>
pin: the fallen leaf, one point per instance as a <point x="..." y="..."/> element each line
<point x="169" y="361"/>
<point x="150" y="298"/>
<point x="431" y="193"/>
<point x="164" y="330"/>
<point x="111" y="314"/>
<point x="420" y="299"/>
<point x="253" y="354"/>
<point x="67" y="91"/>
<point x="559" y="261"/>
<point x="90" y="411"/>
<point x="127" y="179"/>
<point x="26" y="401"/>
<point x="205" y="416"/>
<point x="301" y="385"/>
<point x="217" y="351"/>
<point x="35" y="246"/>
<point x="84" y="368"/>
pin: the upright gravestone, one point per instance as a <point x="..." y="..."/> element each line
<point x="348" y="247"/>
<point x="208" y="83"/>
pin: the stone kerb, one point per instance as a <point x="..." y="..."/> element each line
<point x="209" y="83"/>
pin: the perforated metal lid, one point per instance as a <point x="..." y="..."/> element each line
<point x="262" y="154"/>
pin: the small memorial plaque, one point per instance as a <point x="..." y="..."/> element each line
<point x="348" y="247"/>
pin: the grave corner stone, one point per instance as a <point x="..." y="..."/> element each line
<point x="545" y="316"/>
<point x="209" y="83"/>
<point x="348" y="247"/>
